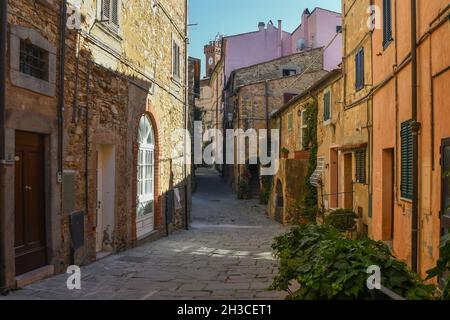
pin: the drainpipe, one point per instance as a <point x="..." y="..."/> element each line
<point x="61" y="95"/>
<point x="3" y="36"/>
<point x="415" y="132"/>
<point x="186" y="113"/>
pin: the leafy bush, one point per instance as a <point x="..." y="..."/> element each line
<point x="443" y="266"/>
<point x="332" y="267"/>
<point x="266" y="182"/>
<point x="342" y="219"/>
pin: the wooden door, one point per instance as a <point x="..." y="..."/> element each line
<point x="445" y="210"/>
<point x="99" y="245"/>
<point x="30" y="235"/>
<point x="348" y="181"/>
<point x="388" y="195"/>
<point x="334" y="179"/>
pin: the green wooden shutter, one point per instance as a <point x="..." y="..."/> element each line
<point x="407" y="160"/>
<point x="359" y="67"/>
<point x="360" y="166"/>
<point x="387" y="22"/>
<point x="327" y="106"/>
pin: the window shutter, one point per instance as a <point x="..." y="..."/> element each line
<point x="106" y="9"/>
<point x="361" y="166"/>
<point x="115" y="12"/>
<point x="327" y="106"/>
<point x="407" y="160"/>
<point x="359" y="62"/>
<point x="387" y="21"/>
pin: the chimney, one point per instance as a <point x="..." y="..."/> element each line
<point x="261" y="26"/>
<point x="280" y="39"/>
<point x="305" y="26"/>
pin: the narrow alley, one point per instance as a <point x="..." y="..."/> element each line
<point x="225" y="255"/>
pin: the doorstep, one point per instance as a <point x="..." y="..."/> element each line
<point x="34" y="276"/>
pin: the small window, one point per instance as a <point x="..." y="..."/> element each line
<point x="303" y="130"/>
<point x="110" y="12"/>
<point x="288" y="97"/>
<point x="359" y="67"/>
<point x="33" y="60"/>
<point x="407" y="160"/>
<point x="290" y="122"/>
<point x="176" y="60"/>
<point x="289" y="72"/>
<point x="387" y="22"/>
<point x="327" y="106"/>
<point x="360" y="166"/>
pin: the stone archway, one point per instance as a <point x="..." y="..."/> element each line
<point x="279" y="202"/>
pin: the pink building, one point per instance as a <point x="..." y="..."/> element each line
<point x="320" y="28"/>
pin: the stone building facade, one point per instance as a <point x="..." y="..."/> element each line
<point x="254" y="92"/>
<point x="94" y="168"/>
<point x="354" y="151"/>
<point x="287" y="192"/>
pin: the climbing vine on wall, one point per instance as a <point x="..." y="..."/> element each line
<point x="310" y="144"/>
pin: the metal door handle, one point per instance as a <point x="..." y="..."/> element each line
<point x="27" y="188"/>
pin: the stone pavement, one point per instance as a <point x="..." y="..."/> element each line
<point x="225" y="255"/>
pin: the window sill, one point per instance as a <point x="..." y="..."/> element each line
<point x="115" y="33"/>
<point x="176" y="80"/>
<point x="326" y="122"/>
<point x="387" y="44"/>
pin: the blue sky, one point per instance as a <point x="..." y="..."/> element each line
<point x="237" y="16"/>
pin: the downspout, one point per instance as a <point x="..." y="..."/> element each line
<point x="86" y="142"/>
<point x="3" y="38"/>
<point x="415" y="132"/>
<point x="61" y="95"/>
<point x="186" y="113"/>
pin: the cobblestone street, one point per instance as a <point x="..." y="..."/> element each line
<point x="225" y="255"/>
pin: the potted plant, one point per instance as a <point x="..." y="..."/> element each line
<point x="285" y="152"/>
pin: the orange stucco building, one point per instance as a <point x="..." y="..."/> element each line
<point x="399" y="195"/>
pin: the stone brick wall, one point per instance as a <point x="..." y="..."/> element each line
<point x="111" y="80"/>
<point x="307" y="61"/>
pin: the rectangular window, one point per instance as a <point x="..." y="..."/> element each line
<point x="110" y="12"/>
<point x="327" y="106"/>
<point x="289" y="72"/>
<point x="33" y="60"/>
<point x="176" y="60"/>
<point x="303" y="131"/>
<point x="359" y="67"/>
<point x="290" y="122"/>
<point x="387" y="22"/>
<point x="407" y="161"/>
<point x="360" y="166"/>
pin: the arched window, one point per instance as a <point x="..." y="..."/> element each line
<point x="145" y="178"/>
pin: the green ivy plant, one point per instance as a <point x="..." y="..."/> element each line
<point x="266" y="183"/>
<point x="329" y="266"/>
<point x="310" y="144"/>
<point x="443" y="266"/>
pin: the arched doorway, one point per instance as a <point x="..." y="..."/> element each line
<point x="145" y="209"/>
<point x="279" y="202"/>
